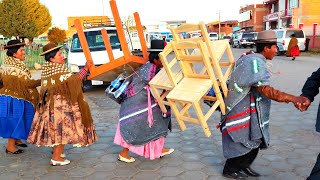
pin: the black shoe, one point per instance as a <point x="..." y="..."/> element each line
<point x="22" y="145"/>
<point x="19" y="151"/>
<point x="250" y="172"/>
<point x="235" y="175"/>
<point x="293" y="58"/>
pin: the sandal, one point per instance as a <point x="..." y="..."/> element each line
<point x="19" y="151"/>
<point x="22" y="145"/>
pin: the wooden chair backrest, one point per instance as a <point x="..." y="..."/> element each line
<point x="172" y="68"/>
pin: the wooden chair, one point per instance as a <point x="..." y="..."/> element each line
<point x="126" y="63"/>
<point x="194" y="86"/>
<point x="216" y="49"/>
<point x="167" y="78"/>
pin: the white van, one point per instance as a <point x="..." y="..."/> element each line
<point x="136" y="40"/>
<point x="283" y="39"/>
<point x="213" y="36"/>
<point x="76" y="58"/>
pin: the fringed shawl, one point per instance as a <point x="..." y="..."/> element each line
<point x="57" y="80"/>
<point x="17" y="82"/>
<point x="1" y="85"/>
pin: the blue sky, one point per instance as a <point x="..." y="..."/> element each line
<point x="149" y="10"/>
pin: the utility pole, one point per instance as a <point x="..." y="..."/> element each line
<point x="219" y="26"/>
<point x="102" y="8"/>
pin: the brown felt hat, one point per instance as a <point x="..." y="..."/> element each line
<point x="156" y="46"/>
<point x="13" y="43"/>
<point x="268" y="36"/>
<point x="49" y="47"/>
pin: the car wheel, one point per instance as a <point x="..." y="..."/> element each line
<point x="244" y="46"/>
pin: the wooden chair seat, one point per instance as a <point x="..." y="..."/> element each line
<point x="161" y="80"/>
<point x="190" y="90"/>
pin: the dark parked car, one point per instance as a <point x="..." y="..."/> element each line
<point x="244" y="40"/>
<point x="228" y="38"/>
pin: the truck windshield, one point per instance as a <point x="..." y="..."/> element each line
<point x="95" y="41"/>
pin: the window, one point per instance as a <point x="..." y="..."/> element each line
<point x="134" y="34"/>
<point x="248" y="36"/>
<point x="279" y="34"/>
<point x="293" y="4"/>
<point x="298" y="33"/>
<point x="95" y="41"/>
<point x="213" y="35"/>
<point x="276" y="7"/>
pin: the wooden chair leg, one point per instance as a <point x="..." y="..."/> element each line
<point x="156" y="93"/>
<point x="177" y="114"/>
<point x="222" y="104"/>
<point x="182" y="105"/>
<point x="200" y="115"/>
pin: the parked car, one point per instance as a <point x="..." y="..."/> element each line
<point x="194" y="35"/>
<point x="255" y="35"/>
<point x="169" y="37"/>
<point x="228" y="38"/>
<point x="244" y="40"/>
<point x="283" y="39"/>
<point x="213" y="36"/>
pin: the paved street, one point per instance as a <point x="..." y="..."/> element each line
<point x="291" y="156"/>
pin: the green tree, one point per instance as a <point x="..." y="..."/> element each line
<point x="57" y="35"/>
<point x="23" y="18"/>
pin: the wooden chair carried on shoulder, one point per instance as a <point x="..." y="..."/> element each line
<point x="194" y="86"/>
<point x="167" y="78"/>
<point x="126" y="63"/>
<point x="216" y="50"/>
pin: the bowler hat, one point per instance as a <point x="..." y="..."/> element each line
<point x="13" y="43"/>
<point x="268" y="36"/>
<point x="156" y="46"/>
<point x="49" y="47"/>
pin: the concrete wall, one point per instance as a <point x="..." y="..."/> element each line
<point x="314" y="42"/>
<point x="308" y="14"/>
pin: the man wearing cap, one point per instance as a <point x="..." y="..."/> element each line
<point x="245" y="127"/>
<point x="142" y="127"/>
<point x="18" y="98"/>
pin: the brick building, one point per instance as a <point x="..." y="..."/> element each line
<point x="226" y="27"/>
<point x="298" y="14"/>
<point x="251" y="17"/>
<point x="279" y="13"/>
<point x="307" y="17"/>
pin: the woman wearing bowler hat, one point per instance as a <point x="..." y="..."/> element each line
<point x="142" y="127"/>
<point x="18" y="97"/>
<point x="62" y="116"/>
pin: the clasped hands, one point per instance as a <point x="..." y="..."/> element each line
<point x="301" y="103"/>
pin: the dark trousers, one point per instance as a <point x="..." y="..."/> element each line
<point x="315" y="173"/>
<point x="241" y="162"/>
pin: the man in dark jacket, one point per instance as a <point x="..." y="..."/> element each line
<point x="309" y="91"/>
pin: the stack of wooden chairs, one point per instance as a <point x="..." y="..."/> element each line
<point x="183" y="86"/>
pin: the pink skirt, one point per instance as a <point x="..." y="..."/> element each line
<point x="150" y="150"/>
